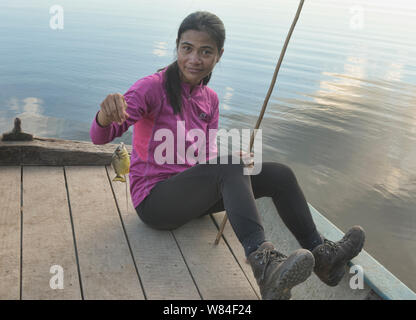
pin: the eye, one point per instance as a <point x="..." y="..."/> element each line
<point x="206" y="52"/>
<point x="186" y="48"/>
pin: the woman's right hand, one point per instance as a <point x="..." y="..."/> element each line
<point x="248" y="160"/>
<point x="113" y="109"/>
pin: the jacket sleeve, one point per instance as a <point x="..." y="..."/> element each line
<point x="140" y="103"/>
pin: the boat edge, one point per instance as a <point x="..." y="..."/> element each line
<point x="376" y="276"/>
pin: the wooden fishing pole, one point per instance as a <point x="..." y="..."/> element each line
<point x="266" y="100"/>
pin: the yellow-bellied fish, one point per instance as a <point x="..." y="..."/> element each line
<point x="120" y="162"/>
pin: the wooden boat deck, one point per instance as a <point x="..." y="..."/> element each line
<point x="61" y="213"/>
<point x="75" y="217"/>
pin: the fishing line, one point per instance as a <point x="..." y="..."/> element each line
<point x="127" y="202"/>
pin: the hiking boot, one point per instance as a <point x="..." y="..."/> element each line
<point x="277" y="274"/>
<point x="331" y="257"/>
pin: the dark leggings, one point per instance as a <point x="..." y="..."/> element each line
<point x="209" y="188"/>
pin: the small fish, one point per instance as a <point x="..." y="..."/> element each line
<point x="120" y="162"/>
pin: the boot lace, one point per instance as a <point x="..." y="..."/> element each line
<point x="330" y="246"/>
<point x="268" y="255"/>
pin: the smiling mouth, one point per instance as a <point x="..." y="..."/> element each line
<point x="194" y="70"/>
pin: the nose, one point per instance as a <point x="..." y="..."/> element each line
<point x="195" y="58"/>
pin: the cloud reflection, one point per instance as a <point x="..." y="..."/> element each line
<point x="160" y="48"/>
<point x="229" y="92"/>
<point x="30" y="110"/>
<point x="373" y="125"/>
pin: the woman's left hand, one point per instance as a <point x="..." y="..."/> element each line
<point x="247" y="159"/>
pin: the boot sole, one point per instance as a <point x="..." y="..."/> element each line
<point x="295" y="270"/>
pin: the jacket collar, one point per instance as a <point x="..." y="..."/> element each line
<point x="186" y="87"/>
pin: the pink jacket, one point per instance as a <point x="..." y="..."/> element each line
<point x="149" y="112"/>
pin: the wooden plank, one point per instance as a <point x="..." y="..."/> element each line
<point x="216" y="272"/>
<point x="106" y="265"/>
<point x="161" y="266"/>
<point x="55" y="152"/>
<point x="238" y="250"/>
<point x="10" y="181"/>
<point x="47" y="236"/>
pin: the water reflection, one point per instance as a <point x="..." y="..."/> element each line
<point x="30" y="110"/>
<point x="226" y="105"/>
<point x="394" y="72"/>
<point x="160" y="48"/>
<point x="362" y="137"/>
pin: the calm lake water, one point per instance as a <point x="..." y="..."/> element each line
<point x="342" y="114"/>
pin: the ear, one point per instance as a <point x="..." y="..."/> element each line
<point x="220" y="55"/>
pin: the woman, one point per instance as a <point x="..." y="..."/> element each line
<point x="168" y="194"/>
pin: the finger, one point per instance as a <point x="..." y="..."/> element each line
<point x="249" y="156"/>
<point x="120" y="106"/>
<point x="125" y="102"/>
<point x="106" y="109"/>
<point x="113" y="108"/>
<point x="249" y="161"/>
<point x="117" y="107"/>
<point x="125" y="107"/>
<point x="249" y="165"/>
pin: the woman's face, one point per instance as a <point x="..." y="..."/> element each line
<point x="197" y="56"/>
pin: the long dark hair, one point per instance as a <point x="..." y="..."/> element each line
<point x="199" y="21"/>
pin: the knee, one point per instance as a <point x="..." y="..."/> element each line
<point x="284" y="174"/>
<point x="231" y="165"/>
